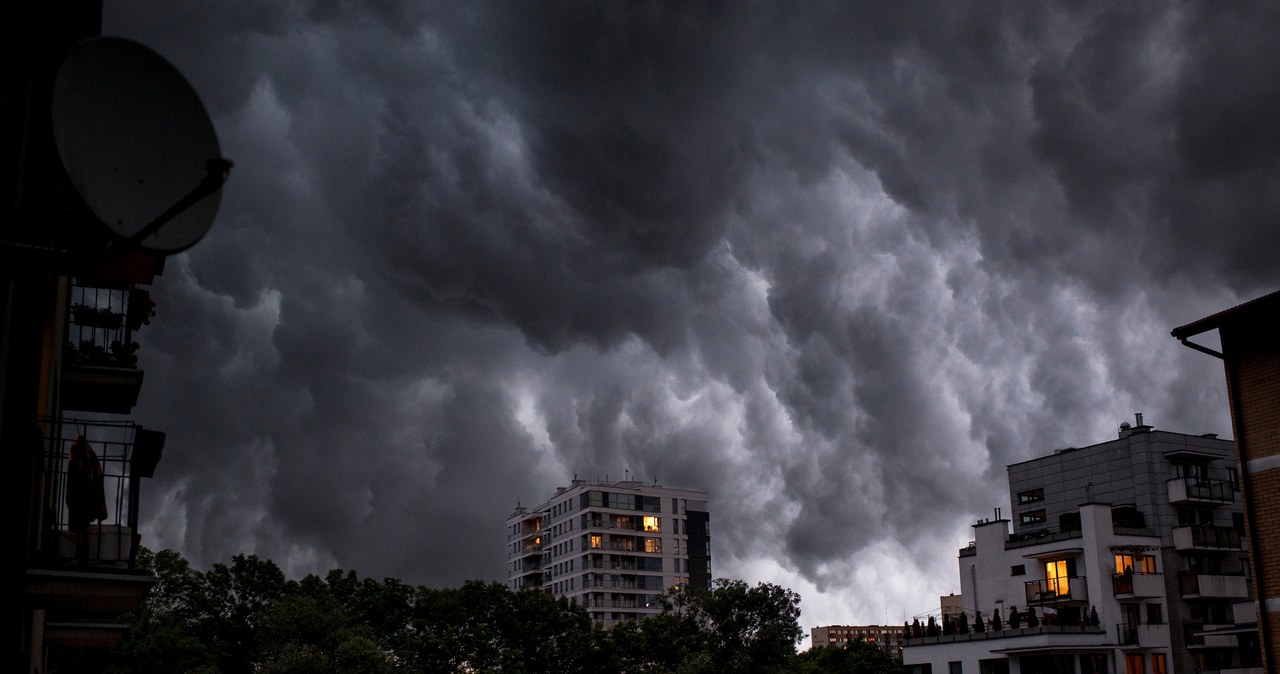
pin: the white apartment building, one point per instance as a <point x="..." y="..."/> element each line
<point x="1143" y="532"/>
<point x="611" y="547"/>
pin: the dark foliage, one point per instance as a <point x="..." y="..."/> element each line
<point x="247" y="617"/>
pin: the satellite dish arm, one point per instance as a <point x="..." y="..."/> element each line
<point x="219" y="169"/>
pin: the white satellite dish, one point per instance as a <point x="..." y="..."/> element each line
<point x="137" y="144"/>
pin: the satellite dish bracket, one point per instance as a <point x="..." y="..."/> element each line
<point x="218" y="170"/>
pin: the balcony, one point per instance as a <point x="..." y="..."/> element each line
<point x="1056" y="591"/>
<point x="1136" y="585"/>
<point x="1194" y="585"/>
<point x="1206" y="537"/>
<point x="1200" y="490"/>
<point x="81" y="569"/>
<point x="90" y="505"/>
<point x="1146" y="635"/>
<point x="99" y="362"/>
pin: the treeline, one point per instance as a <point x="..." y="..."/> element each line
<point x="247" y="617"/>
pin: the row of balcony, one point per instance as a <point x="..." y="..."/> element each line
<point x="1191" y="585"/>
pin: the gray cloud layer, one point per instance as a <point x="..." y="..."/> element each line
<point x="838" y="265"/>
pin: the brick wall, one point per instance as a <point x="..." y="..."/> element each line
<point x="1252" y="362"/>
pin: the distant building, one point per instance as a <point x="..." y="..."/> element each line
<point x="611" y="547"/>
<point x="1130" y="554"/>
<point x="1251" y="357"/>
<point x="887" y="637"/>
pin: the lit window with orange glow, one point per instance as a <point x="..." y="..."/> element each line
<point x="1056" y="581"/>
<point x="596" y="542"/>
<point x="652" y="523"/>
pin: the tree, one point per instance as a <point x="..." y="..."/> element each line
<point x="858" y="657"/>
<point x="996" y="626"/>
<point x="1015" y="619"/>
<point x="1032" y="619"/>
<point x="744" y="628"/>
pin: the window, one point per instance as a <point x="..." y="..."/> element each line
<point x="1057" y="577"/>
<point x="955" y="667"/>
<point x="652" y="523"/>
<point x="1018" y="570"/>
<point x="1093" y="663"/>
<point x="1033" y="517"/>
<point x="1135" y="563"/>
<point x="596" y="542"/>
<point x="1155" y="614"/>
<point x="1196" y="470"/>
<point x="1157" y="664"/>
<point x="1030" y="496"/>
<point x="653" y="545"/>
<point x="1133" y="663"/>
<point x="994" y="666"/>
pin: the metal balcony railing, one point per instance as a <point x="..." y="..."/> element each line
<point x="1056" y="590"/>
<point x="89" y="516"/>
<point x="99" y="363"/>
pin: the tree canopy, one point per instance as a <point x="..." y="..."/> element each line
<point x="246" y="616"/>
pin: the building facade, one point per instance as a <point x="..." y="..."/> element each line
<point x="1128" y="552"/>
<point x="1251" y="359"/>
<point x="73" y="299"/>
<point x="888" y="637"/>
<point x="611" y="547"/>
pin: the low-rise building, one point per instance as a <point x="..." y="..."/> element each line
<point x="1125" y="556"/>
<point x="887" y="637"/>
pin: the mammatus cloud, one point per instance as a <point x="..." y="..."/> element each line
<point x="838" y="265"/>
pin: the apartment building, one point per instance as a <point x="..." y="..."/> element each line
<point x="1128" y="553"/>
<point x="112" y="164"/>
<point x="888" y="637"/>
<point x="611" y="547"/>
<point x="1251" y="360"/>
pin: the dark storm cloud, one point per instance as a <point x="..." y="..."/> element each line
<point x="836" y="264"/>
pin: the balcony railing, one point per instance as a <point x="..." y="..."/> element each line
<point x="1137" y="584"/>
<point x="99" y="360"/>
<point x="1056" y="591"/>
<point x="1231" y="586"/>
<point x="1206" y="537"/>
<point x="1200" y="490"/>
<point x="90" y="495"/>
<point x="1144" y="635"/>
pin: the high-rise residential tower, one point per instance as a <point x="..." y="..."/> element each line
<point x="611" y="547"/>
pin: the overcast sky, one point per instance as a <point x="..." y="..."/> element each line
<point x="838" y="264"/>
